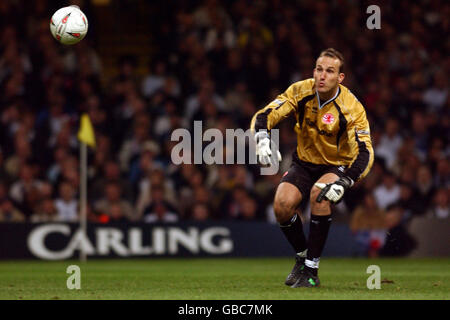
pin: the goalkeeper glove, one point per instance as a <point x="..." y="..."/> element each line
<point x="333" y="191"/>
<point x="263" y="151"/>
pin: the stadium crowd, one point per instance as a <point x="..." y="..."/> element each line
<point x="219" y="62"/>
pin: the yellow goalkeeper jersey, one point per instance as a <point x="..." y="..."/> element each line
<point x="333" y="132"/>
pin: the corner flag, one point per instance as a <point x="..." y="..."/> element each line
<point x="86" y="133"/>
<point x="87" y="137"/>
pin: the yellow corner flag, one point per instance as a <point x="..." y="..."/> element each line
<point x="86" y="133"/>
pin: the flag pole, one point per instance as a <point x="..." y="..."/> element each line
<point x="86" y="136"/>
<point x="83" y="196"/>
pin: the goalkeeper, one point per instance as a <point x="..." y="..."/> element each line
<point x="334" y="150"/>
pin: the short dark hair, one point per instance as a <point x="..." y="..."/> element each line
<point x="333" y="53"/>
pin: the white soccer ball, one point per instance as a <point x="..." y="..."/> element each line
<point x="69" y="25"/>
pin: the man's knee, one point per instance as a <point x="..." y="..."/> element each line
<point x="287" y="198"/>
<point x="318" y="208"/>
<point x="284" y="208"/>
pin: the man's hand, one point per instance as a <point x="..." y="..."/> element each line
<point x="263" y="151"/>
<point x="333" y="191"/>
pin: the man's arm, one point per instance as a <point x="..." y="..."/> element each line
<point x="267" y="118"/>
<point x="359" y="132"/>
<point x="277" y="110"/>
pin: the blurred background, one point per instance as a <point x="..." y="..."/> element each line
<point x="149" y="67"/>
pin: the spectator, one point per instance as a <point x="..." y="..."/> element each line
<point x="368" y="226"/>
<point x="82" y="55"/>
<point x="116" y="214"/>
<point x="70" y="172"/>
<point x="59" y="156"/>
<point x="22" y="156"/>
<point x="26" y="185"/>
<point x="159" y="210"/>
<point x="209" y="12"/>
<point x="441" y="204"/>
<point x="233" y="202"/>
<point x="154" y="179"/>
<point x="424" y="185"/>
<point x="248" y="209"/>
<point x="442" y="174"/>
<point x="4" y="176"/>
<point x="388" y="192"/>
<point x="420" y="134"/>
<point x="157" y="79"/>
<point x="9" y="213"/>
<point x="45" y="212"/>
<point x="113" y="196"/>
<point x="200" y="212"/>
<point x="145" y="162"/>
<point x="390" y="143"/>
<point x="111" y="173"/>
<point x="205" y="95"/>
<point x="398" y="241"/>
<point x="410" y="201"/>
<point x="66" y="204"/>
<point x="436" y="96"/>
<point x="132" y="148"/>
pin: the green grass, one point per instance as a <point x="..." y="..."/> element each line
<point x="224" y="279"/>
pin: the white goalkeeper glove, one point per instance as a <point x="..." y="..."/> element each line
<point x="263" y="151"/>
<point x="333" y="191"/>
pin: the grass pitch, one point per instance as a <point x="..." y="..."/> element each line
<point x="223" y="279"/>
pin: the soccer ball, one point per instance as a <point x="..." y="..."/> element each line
<point x="69" y="25"/>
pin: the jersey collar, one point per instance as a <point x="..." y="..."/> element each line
<point x="335" y="96"/>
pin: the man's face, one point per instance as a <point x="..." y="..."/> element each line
<point x="327" y="75"/>
<point x="66" y="191"/>
<point x="112" y="192"/>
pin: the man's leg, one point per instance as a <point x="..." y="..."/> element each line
<point x="318" y="232"/>
<point x="287" y="199"/>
